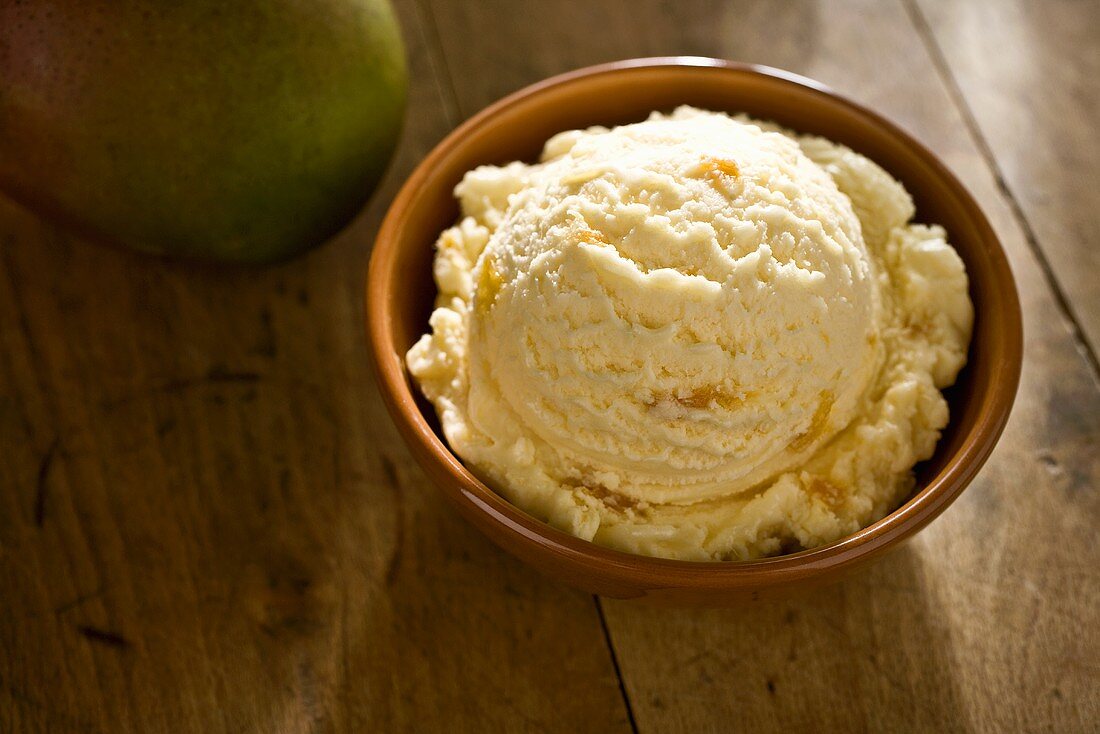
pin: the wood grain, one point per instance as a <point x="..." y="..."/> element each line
<point x="208" y="523"/>
<point x="988" y="621"/>
<point x="1029" y="74"/>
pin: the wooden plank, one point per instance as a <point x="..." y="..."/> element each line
<point x="208" y="523"/>
<point x="987" y="621"/>
<point x="1028" y="72"/>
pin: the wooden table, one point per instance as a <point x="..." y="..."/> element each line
<point x="208" y="523"/>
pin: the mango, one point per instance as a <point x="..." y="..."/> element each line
<point x="242" y="131"/>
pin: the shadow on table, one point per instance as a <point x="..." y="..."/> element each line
<point x="869" y="653"/>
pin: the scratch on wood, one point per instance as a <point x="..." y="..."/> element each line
<point x="215" y="376"/>
<point x="113" y="639"/>
<point x="43" y="483"/>
<point x="61" y="609"/>
<point x="266" y="343"/>
<point x="390" y="470"/>
<point x="394" y="482"/>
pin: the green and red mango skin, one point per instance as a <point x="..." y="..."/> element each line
<point x="241" y="131"/>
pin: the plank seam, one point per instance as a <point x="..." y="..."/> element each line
<point x="615" y="664"/>
<point x="943" y="69"/>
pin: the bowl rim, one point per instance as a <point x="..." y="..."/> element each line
<point x="466" y="489"/>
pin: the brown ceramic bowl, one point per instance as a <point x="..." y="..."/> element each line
<point x="400" y="292"/>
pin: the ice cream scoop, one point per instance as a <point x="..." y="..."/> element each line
<point x="694" y="336"/>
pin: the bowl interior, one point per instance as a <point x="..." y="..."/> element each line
<point x="517" y="127"/>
